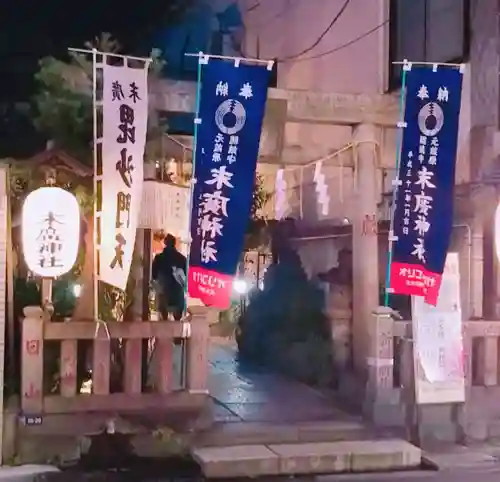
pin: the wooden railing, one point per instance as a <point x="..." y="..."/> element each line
<point x="37" y="331"/>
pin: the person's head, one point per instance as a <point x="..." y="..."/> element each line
<point x="169" y="241"/>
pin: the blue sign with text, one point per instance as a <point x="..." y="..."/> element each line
<point x="231" y="111"/>
<point x="423" y="215"/>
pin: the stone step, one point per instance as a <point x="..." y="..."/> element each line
<point x="251" y="433"/>
<point x="307" y="458"/>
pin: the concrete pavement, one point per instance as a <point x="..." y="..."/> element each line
<point x="471" y="474"/>
<point x="304" y="431"/>
<point x="245" y="393"/>
<point x="25" y="473"/>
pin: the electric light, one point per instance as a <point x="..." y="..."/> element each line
<point x="77" y="290"/>
<point x="50" y="231"/>
<point x="240" y="286"/>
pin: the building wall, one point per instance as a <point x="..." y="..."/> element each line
<point x="282" y="29"/>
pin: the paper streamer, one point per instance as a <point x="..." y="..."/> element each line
<point x="280" y="204"/>
<point x="321" y="189"/>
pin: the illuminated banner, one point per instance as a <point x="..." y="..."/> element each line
<point x="424" y="203"/>
<point x="231" y="110"/>
<point x="125" y="117"/>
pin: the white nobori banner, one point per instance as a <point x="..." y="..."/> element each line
<point x="125" y="117"/>
<point x="438" y="342"/>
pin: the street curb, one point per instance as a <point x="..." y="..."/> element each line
<point x="428" y="463"/>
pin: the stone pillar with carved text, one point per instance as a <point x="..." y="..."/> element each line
<point x="32" y="361"/>
<point x="197" y="350"/>
<point x="382" y="402"/>
<point x="365" y="241"/>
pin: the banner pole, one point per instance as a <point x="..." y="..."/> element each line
<point x="95" y="280"/>
<point x="399" y="145"/>
<point x="109" y="54"/>
<point x="197" y="122"/>
<point x="269" y="63"/>
<point x="437" y="64"/>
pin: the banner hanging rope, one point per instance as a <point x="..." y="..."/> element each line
<point x="318" y="165"/>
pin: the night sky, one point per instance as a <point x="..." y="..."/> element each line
<point x="32" y="29"/>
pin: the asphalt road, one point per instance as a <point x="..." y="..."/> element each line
<point x="482" y="473"/>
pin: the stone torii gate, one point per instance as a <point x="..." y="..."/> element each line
<point x="367" y="116"/>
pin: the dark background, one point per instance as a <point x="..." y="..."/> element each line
<point x="32" y="29"/>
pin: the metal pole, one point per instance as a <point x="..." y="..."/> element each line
<point x="193" y="179"/>
<point x="94" y="52"/>
<point x="236" y="60"/>
<point x="443" y="64"/>
<point x="184" y="360"/>
<point x="399" y="146"/>
<point x="95" y="277"/>
<point x="11" y="345"/>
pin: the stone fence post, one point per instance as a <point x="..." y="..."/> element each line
<point x="32" y="361"/>
<point x="380" y="398"/>
<point x="197" y="350"/>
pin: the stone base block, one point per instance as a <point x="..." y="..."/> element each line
<point x="312" y="458"/>
<point x="383" y="455"/>
<point x="258" y="433"/>
<point x="307" y="458"/>
<point x="25" y="473"/>
<point x="238" y="461"/>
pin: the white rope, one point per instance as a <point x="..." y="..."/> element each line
<point x="98" y="325"/>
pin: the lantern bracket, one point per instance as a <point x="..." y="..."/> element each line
<point x="47" y="306"/>
<point x="50" y="177"/>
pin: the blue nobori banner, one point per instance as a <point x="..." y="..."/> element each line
<point x="231" y="110"/>
<point x="423" y="216"/>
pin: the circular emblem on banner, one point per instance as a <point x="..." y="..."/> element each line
<point x="430" y="119"/>
<point x="230" y="117"/>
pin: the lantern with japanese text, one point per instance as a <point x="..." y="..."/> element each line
<point x="50" y="231"/>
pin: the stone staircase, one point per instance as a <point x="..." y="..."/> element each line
<point x="266" y="424"/>
<point x="256" y="449"/>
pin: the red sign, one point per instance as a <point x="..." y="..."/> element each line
<point x="211" y="288"/>
<point x="414" y="281"/>
<point x="33" y="347"/>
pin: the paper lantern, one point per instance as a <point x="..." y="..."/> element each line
<point x="50" y="231"/>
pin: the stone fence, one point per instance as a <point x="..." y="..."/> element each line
<point x="388" y="395"/>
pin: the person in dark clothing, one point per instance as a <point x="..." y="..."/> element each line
<point x="169" y="272"/>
